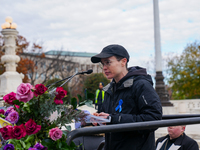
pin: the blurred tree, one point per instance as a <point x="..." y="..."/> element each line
<point x="36" y="67"/>
<point x="184" y="73"/>
<point x="91" y="83"/>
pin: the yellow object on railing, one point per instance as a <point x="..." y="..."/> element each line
<point x="4" y="123"/>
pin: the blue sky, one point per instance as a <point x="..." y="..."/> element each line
<point x="90" y="25"/>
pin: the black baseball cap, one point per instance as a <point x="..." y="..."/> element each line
<point x="111" y="50"/>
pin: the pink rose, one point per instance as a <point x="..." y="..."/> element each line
<point x="32" y="127"/>
<point x="24" y="92"/>
<point x="17" y="106"/>
<point x="58" y="101"/>
<point x="55" y="134"/>
<point x="60" y="93"/>
<point x="6" y="132"/>
<point x="13" y="117"/>
<point x="9" y="98"/>
<point x="10" y="108"/>
<point x="2" y="111"/>
<point x="18" y="132"/>
<point x="40" y="89"/>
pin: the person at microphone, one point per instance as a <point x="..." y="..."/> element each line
<point x="129" y="98"/>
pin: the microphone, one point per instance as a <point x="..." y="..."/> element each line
<point x="87" y="72"/>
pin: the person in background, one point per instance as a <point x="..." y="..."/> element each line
<point x="129" y="98"/>
<point x="176" y="140"/>
<point x="99" y="97"/>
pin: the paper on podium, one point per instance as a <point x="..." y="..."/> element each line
<point x="96" y="119"/>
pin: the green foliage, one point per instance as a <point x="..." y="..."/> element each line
<point x="184" y="71"/>
<point x="23" y="143"/>
<point x="53" y="145"/>
<point x="92" y="82"/>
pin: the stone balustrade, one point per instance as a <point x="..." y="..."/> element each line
<point x="190" y="106"/>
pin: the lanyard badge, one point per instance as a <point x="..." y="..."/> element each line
<point x="119" y="106"/>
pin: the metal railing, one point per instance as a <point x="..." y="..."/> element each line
<point x="179" y="116"/>
<point x="167" y="120"/>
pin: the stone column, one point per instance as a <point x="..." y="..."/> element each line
<point x="160" y="86"/>
<point x="10" y="79"/>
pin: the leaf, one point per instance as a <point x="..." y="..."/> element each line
<point x="18" y="146"/>
<point x="13" y="141"/>
<point x="74" y="102"/>
<point x="23" y="144"/>
<point x="29" y="138"/>
<point x="26" y="107"/>
<point x="65" y="132"/>
<point x="59" y="144"/>
<point x="68" y="128"/>
<point x="87" y="102"/>
<point x="48" y="143"/>
<point x="64" y="145"/>
<point x="51" y="126"/>
<point x="73" y="146"/>
<point x="17" y="102"/>
<point x="2" y="116"/>
<point x="28" y="145"/>
<point x="82" y="103"/>
<point x="79" y="98"/>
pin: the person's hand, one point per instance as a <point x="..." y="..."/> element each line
<point x="95" y="123"/>
<point x="104" y="115"/>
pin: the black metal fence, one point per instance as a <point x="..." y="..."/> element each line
<point x="167" y="120"/>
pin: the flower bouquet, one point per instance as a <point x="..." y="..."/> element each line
<point x="29" y="126"/>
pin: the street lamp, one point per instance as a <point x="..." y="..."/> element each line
<point x="10" y="79"/>
<point x="160" y="86"/>
<point x="8" y="24"/>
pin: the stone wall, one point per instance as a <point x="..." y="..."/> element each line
<point x="190" y="106"/>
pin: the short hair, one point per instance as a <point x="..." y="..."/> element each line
<point x="120" y="58"/>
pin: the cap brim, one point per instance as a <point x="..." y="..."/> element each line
<point x="97" y="58"/>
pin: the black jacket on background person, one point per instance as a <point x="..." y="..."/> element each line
<point x="183" y="142"/>
<point x="140" y="103"/>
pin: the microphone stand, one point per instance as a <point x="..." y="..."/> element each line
<point x="58" y="81"/>
<point x="69" y="78"/>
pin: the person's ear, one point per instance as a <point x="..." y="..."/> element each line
<point x="124" y="61"/>
<point x="183" y="128"/>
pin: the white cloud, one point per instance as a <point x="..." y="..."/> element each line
<point x="90" y="25"/>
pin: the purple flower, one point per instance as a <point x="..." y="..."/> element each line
<point x="31" y="148"/>
<point x="39" y="146"/>
<point x="13" y="117"/>
<point x="9" y="147"/>
<point x="9" y="109"/>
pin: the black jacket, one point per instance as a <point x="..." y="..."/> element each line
<point x="140" y="103"/>
<point x="183" y="142"/>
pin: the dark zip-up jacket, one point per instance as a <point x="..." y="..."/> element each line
<point x="140" y="103"/>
